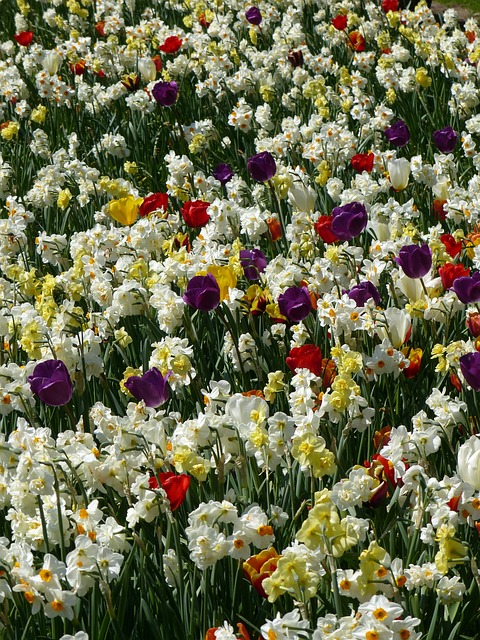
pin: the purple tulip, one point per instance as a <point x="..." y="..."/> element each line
<point x="253" y="15"/>
<point x="152" y="387"/>
<point x="363" y="292"/>
<point x="223" y="173"/>
<point x="349" y="221"/>
<point x="202" y="293"/>
<point x="398" y="134"/>
<point x="253" y="262"/>
<point x="165" y="93"/>
<point x="262" y="166"/>
<point x="295" y="303"/>
<point x="51" y="382"/>
<point x="470" y="368"/>
<point x="415" y="261"/>
<point x="445" y="139"/>
<point x="467" y="288"/>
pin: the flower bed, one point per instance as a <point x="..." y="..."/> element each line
<point x="240" y="334"/>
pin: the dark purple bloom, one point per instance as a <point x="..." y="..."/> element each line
<point x="470" y="368"/>
<point x="295" y="303"/>
<point x="223" y="173"/>
<point x="349" y="221"/>
<point x="363" y="292"/>
<point x="467" y="288"/>
<point x="152" y="387"/>
<point x="202" y="293"/>
<point x="165" y="93"/>
<point x="398" y="134"/>
<point x="415" y="261"/>
<point x="51" y="382"/>
<point x="445" y="139"/>
<point x="253" y="262"/>
<point x="253" y="15"/>
<point x="262" y="166"/>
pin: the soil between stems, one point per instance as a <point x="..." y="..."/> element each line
<point x="462" y="12"/>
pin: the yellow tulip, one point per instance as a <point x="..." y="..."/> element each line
<point x="225" y="277"/>
<point x="125" y="210"/>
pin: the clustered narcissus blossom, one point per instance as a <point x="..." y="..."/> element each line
<point x="239" y="325"/>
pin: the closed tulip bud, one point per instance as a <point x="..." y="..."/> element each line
<point x="468" y="461"/>
<point x="398" y="134"/>
<point x="302" y="197"/>
<point x="470" y="368"/>
<point x="51" y="62"/>
<point x="147" y="69"/>
<point x="415" y="261"/>
<point x="295" y="303"/>
<point x="399" y="171"/>
<point x="51" y="383"/>
<point x="473" y="323"/>
<point x="152" y="387"/>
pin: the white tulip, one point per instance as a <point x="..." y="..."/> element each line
<point x="397" y="325"/>
<point x="469" y="462"/>
<point x="147" y="69"/>
<point x="399" y="171"/>
<point x="301" y="196"/>
<point x="51" y="62"/>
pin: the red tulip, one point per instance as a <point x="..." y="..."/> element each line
<point x="307" y="356"/>
<point x="24" y="38"/>
<point x="450" y="272"/>
<point x="194" y="212"/>
<point x="323" y="226"/>
<point x="363" y="162"/>
<point x="340" y="22"/>
<point x="171" y="45"/>
<point x="175" y="486"/>
<point x="452" y="247"/>
<point x="154" y="202"/>
<point x="389" y="5"/>
<point x="356" y="41"/>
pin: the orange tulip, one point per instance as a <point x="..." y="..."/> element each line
<point x="259" y="567"/>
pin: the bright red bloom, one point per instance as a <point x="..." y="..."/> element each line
<point x="307" y="356"/>
<point x="194" y="212"/>
<point x="171" y="45"/>
<point x="157" y="61"/>
<point x="356" y="41"/>
<point x="340" y="22"/>
<point x="154" y="202"/>
<point x="450" y="272"/>
<point x="438" y="210"/>
<point x="453" y="503"/>
<point x="389" y="5"/>
<point x="452" y="247"/>
<point x="24" y="38"/>
<point x="473" y="323"/>
<point x="275" y="229"/>
<point x="363" y="162"/>
<point x="78" y="68"/>
<point x="175" y="486"/>
<point x="100" y="28"/>
<point x="455" y="380"/>
<point x="323" y="226"/>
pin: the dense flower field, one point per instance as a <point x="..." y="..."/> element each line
<point x="240" y="333"/>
